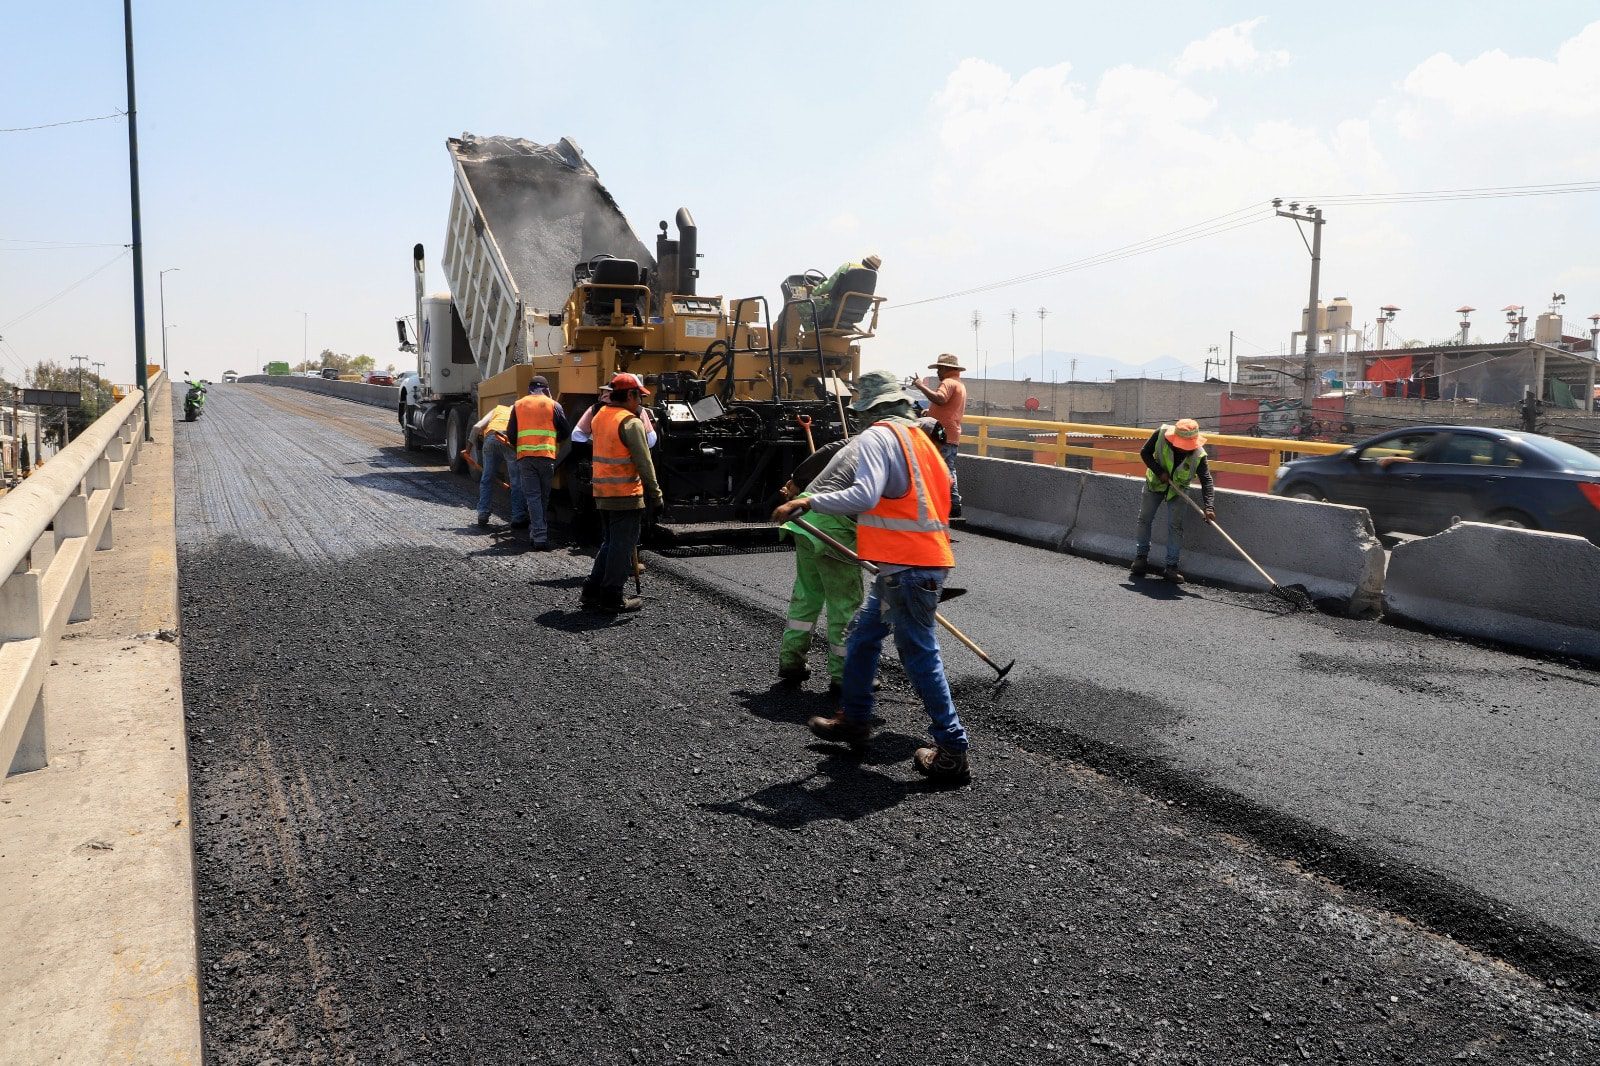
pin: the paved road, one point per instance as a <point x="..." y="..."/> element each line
<point x="441" y="816"/>
<point x="1438" y="758"/>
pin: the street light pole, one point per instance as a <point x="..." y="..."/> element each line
<point x="161" y="284"/>
<point x="1309" y="376"/>
<point x="305" y="331"/>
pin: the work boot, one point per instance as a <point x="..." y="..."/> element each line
<point x="519" y="523"/>
<point x="942" y="766"/>
<point x="592" y="595"/>
<point x="483" y="521"/>
<point x="614" y="602"/>
<point x="1171" y="574"/>
<point x="1140" y="567"/>
<point x="539" y="546"/>
<point x="793" y="676"/>
<point x="841" y="730"/>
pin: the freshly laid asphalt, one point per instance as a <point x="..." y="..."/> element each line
<point x="440" y="815"/>
<point x="1437" y="763"/>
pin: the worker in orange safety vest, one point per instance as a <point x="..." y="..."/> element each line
<point x="901" y="496"/>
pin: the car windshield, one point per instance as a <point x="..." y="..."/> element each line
<point x="1567" y="456"/>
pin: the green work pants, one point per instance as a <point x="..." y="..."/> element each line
<point x="821" y="579"/>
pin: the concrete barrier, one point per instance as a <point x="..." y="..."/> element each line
<point x="1517" y="586"/>
<point x="373" y="395"/>
<point x="1037" y="503"/>
<point x="1332" y="550"/>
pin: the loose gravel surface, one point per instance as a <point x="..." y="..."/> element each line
<point x="441" y="816"/>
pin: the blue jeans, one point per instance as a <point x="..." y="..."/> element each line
<point x="906" y="603"/>
<point x="496" y="456"/>
<point x="1148" y="503"/>
<point x="537" y="474"/>
<point x="949" y="453"/>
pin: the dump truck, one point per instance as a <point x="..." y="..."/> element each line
<point x="546" y="276"/>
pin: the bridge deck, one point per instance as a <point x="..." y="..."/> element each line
<point x="439" y="814"/>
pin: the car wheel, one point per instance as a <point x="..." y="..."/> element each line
<point x="455" y="440"/>
<point x="1511" y="520"/>
<point x="1303" y="491"/>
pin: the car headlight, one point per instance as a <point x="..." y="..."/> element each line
<point x="1283" y="472"/>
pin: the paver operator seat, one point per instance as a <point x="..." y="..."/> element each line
<point x="611" y="279"/>
<point x="856" y="288"/>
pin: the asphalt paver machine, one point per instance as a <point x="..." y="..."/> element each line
<point x="547" y="277"/>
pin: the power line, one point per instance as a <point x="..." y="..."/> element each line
<point x="67" y="122"/>
<point x="64" y="244"/>
<point x="40" y="307"/>
<point x="1209" y="228"/>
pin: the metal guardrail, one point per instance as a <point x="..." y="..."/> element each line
<point x="1275" y="447"/>
<point x="49" y="527"/>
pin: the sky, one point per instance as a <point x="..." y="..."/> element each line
<point x="291" y="154"/>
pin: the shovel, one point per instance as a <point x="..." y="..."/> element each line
<point x="1294" y="596"/>
<point x="872" y="568"/>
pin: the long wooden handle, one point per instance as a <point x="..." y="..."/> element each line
<point x="1184" y="496"/>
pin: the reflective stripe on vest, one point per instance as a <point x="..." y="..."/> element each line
<point x="499" y="419"/>
<point x="914" y="529"/>
<point x="615" y="475"/>
<point x="1167" y="458"/>
<point x="536" y="427"/>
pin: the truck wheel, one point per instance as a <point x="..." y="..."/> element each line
<point x="455" y="440"/>
<point x="413" y="442"/>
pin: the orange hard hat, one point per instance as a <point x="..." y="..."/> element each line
<point x="1186" y="435"/>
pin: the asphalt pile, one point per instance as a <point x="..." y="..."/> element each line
<point x="441" y="816"/>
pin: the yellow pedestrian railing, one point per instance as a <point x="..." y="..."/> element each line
<point x="983" y="441"/>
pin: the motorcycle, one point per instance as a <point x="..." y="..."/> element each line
<point x="194" y="402"/>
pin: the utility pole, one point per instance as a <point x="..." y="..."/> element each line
<point x="140" y="379"/>
<point x="1309" y="377"/>
<point x="1013" y="343"/>
<point x="305" y="331"/>
<point x="977" y="320"/>
<point x="1042" y="313"/>
<point x="80" y="360"/>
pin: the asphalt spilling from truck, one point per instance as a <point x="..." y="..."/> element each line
<point x="442" y="816"/>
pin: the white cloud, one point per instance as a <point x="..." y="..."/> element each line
<point x="1495" y="86"/>
<point x="1230" y="48"/>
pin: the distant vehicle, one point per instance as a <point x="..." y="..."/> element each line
<point x="328" y="372"/>
<point x="194" y="401"/>
<point x="1417" y="480"/>
<point x="311" y="373"/>
<point x="378" y="377"/>
<point x="230" y="376"/>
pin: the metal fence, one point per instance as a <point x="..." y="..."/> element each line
<point x="49" y="527"/>
<point x="1065" y="433"/>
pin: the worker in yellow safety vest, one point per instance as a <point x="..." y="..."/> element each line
<point x="624" y="483"/>
<point x="536" y="428"/>
<point x="1174" y="456"/>
<point x="494" y="455"/>
<point x="901" y="495"/>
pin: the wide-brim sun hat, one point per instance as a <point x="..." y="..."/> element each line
<point x="877" y="387"/>
<point x="946" y="362"/>
<point x="622" y="382"/>
<point x="1186" y="435"/>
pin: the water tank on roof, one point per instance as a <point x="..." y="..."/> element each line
<point x="1340" y="314"/>
<point x="1547" y="330"/>
<point x="1322" y="318"/>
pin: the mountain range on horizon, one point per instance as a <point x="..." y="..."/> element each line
<point x="1060" y="367"/>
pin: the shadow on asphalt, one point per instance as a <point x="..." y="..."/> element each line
<point x="559" y="582"/>
<point x="579" y="621"/>
<point x="848" y="792"/>
<point x="1157" y="589"/>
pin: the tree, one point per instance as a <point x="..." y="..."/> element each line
<point x="96" y="393"/>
